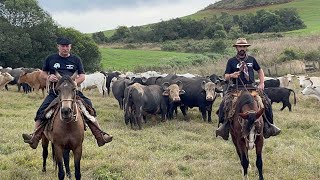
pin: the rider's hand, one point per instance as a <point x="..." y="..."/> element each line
<point x="261" y="85"/>
<point x="53" y="78"/>
<point x="235" y="75"/>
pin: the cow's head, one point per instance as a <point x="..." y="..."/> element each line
<point x="7" y="77"/>
<point x="311" y="90"/>
<point x="209" y="88"/>
<point x="173" y="91"/>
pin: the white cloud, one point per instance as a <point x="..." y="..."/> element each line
<point x="100" y="20"/>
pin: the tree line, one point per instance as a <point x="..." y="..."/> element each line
<point x="28" y="35"/>
<point x="216" y="27"/>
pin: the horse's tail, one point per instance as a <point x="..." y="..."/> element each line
<point x="294" y="97"/>
<point x="55" y="164"/>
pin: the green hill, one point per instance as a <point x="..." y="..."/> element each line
<point x="307" y="9"/>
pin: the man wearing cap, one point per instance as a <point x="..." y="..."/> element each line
<point x="240" y="73"/>
<point x="65" y="64"/>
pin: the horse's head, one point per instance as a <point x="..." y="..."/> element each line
<point x="248" y="109"/>
<point x="66" y="88"/>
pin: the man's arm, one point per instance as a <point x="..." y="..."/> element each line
<point x="261" y="78"/>
<point x="235" y="75"/>
<point x="80" y="78"/>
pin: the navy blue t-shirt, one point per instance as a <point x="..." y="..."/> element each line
<point x="234" y="64"/>
<point x="64" y="65"/>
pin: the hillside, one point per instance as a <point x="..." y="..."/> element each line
<point x="307" y="9"/>
<point x="244" y="4"/>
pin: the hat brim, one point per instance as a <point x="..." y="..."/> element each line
<point x="241" y="45"/>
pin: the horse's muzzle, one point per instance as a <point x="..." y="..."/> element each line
<point x="66" y="113"/>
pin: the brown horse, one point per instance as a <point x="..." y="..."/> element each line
<point x="247" y="130"/>
<point x="67" y="128"/>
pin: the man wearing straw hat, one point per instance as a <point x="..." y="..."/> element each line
<point x="240" y="73"/>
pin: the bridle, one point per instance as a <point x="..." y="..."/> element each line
<point x="74" y="108"/>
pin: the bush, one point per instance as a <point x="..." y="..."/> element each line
<point x="290" y="54"/>
<point x="312" y="56"/>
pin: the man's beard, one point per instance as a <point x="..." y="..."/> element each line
<point x="242" y="53"/>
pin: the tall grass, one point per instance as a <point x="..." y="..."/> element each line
<point x="163" y="150"/>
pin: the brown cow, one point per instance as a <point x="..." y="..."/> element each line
<point x="34" y="80"/>
<point x="5" y="78"/>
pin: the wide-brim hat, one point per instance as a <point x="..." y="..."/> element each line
<point x="63" y="41"/>
<point x="241" y="42"/>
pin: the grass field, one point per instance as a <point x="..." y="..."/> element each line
<point x="123" y="59"/>
<point x="168" y="150"/>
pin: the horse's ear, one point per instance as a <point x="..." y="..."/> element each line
<point x="259" y="113"/>
<point x="244" y="115"/>
<point x="73" y="77"/>
<point x="58" y="75"/>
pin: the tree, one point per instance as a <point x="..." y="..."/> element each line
<point x="99" y="37"/>
<point x="121" y="33"/>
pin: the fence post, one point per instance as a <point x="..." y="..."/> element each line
<point x="275" y="67"/>
<point x="269" y="72"/>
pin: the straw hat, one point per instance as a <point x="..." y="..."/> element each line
<point x="241" y="42"/>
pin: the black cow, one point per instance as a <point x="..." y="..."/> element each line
<point x="110" y="76"/>
<point x="199" y="92"/>
<point x="280" y="94"/>
<point x="118" y="88"/>
<point x="16" y="73"/>
<point x="140" y="100"/>
<point x="272" y="83"/>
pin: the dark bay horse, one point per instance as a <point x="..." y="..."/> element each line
<point x="247" y="130"/>
<point x="66" y="131"/>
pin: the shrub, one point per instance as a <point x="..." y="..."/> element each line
<point x="312" y="56"/>
<point x="290" y="54"/>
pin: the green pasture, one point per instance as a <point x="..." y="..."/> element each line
<point x="162" y="150"/>
<point x="129" y="60"/>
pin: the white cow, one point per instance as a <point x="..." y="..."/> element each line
<point x="5" y="78"/>
<point x="95" y="80"/>
<point x="305" y="81"/>
<point x="312" y="90"/>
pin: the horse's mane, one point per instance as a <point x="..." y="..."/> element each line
<point x="63" y="79"/>
<point x="244" y="98"/>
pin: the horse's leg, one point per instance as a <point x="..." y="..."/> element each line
<point x="244" y="157"/>
<point x="66" y="159"/>
<point x="45" y="144"/>
<point x="259" y="163"/>
<point x="236" y="145"/>
<point x="77" y="158"/>
<point x="58" y="154"/>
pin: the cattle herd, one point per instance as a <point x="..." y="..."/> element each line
<point x="140" y="94"/>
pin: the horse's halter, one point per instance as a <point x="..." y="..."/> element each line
<point x="73" y="107"/>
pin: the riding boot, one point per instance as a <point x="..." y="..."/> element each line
<point x="270" y="129"/>
<point x="100" y="136"/>
<point x="34" y="138"/>
<point x="223" y="130"/>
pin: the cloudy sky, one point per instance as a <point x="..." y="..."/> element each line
<point x="98" y="15"/>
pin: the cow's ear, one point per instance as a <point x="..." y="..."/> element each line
<point x="165" y="93"/>
<point x="144" y="79"/>
<point x="203" y="84"/>
<point x="182" y="92"/>
<point x="165" y="86"/>
<point x="180" y="84"/>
